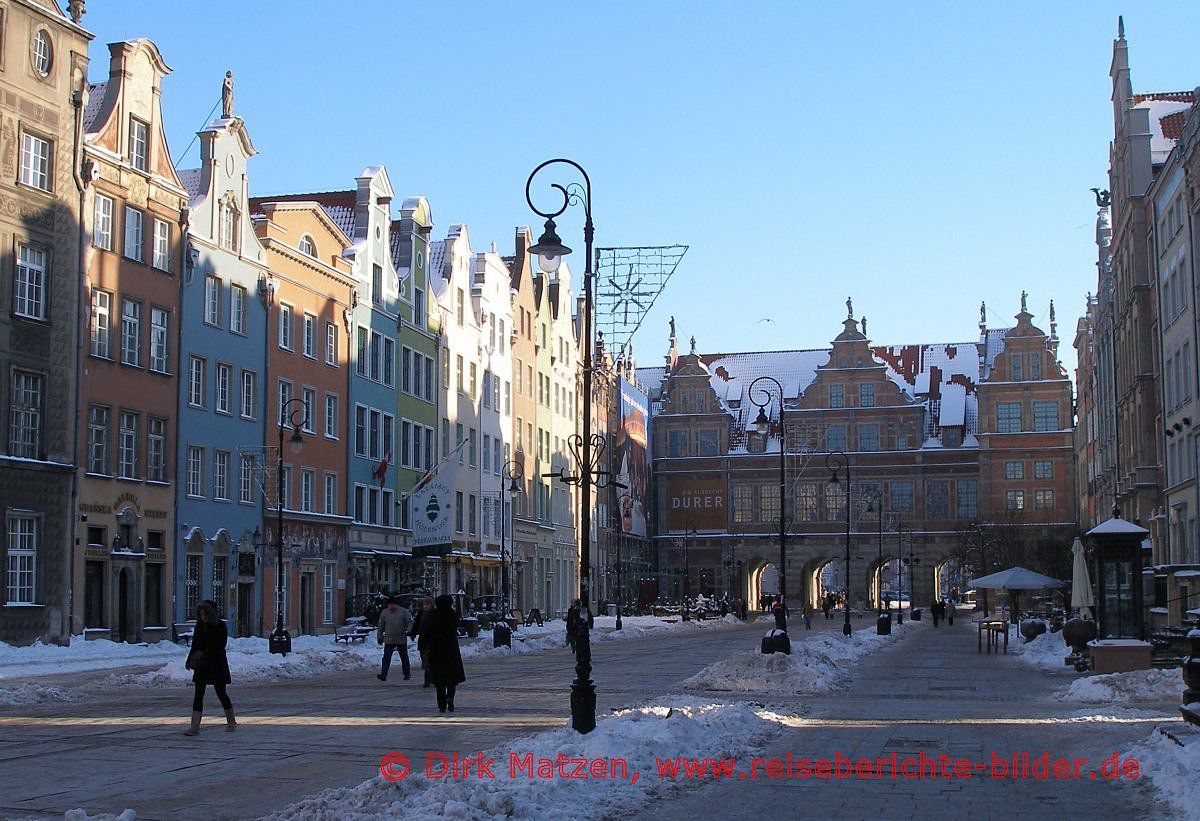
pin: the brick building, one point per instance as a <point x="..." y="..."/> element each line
<point x="960" y="456"/>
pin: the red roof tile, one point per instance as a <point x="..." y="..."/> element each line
<point x="1172" y="125"/>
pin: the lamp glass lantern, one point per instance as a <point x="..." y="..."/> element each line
<point x="549" y="249"/>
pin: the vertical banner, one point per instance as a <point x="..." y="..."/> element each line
<point x="433" y="507"/>
<point x="631" y="457"/>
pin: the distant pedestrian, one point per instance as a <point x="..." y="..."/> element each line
<point x="209" y="664"/>
<point x="573" y="613"/>
<point x="779" y="610"/>
<point x="417" y="631"/>
<point x="807" y="616"/>
<point x="827" y="605"/>
<point x="445" y="661"/>
<point x="935" y="612"/>
<point x="394" y="624"/>
<point x="949" y="611"/>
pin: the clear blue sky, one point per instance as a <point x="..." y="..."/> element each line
<point x="920" y="157"/>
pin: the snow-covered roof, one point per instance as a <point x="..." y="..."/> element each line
<point x="1168" y="106"/>
<point x="95" y="101"/>
<point x="192" y="179"/>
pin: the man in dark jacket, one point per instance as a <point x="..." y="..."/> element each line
<point x="573" y="622"/>
<point x="209" y="664"/>
<point x="440" y="632"/>
<point x="394" y="623"/>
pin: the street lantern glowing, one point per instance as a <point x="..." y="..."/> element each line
<point x="295" y="441"/>
<point x="762" y="424"/>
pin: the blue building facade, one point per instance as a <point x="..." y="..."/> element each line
<point x="222" y="387"/>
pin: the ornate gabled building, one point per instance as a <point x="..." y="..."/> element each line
<point x="43" y="78"/>
<point x="959" y="456"/>
<point x="136" y="211"/>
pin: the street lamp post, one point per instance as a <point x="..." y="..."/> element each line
<point x="900" y="556"/>
<point x="514" y="473"/>
<point x="689" y="530"/>
<point x="587" y="447"/>
<point x="622" y="500"/>
<point x="292" y="414"/>
<point x="911" y="561"/>
<point x="762" y="426"/>
<point x="837" y="462"/>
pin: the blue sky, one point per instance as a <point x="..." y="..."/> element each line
<point x="920" y="157"/>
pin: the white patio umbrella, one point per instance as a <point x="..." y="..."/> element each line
<point x="1082" y="598"/>
<point x="1015" y="578"/>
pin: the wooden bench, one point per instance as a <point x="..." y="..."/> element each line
<point x="355" y="629"/>
<point x="992" y="628"/>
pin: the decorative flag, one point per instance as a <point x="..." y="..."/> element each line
<point x="381" y="470"/>
<point x="432" y="502"/>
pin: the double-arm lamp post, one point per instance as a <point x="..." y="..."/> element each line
<point x="292" y="414"/>
<point x="762" y="424"/>
<point x="837" y="462"/>
<point x="622" y="500"/>
<point x="588" y="446"/>
<point x="514" y="474"/>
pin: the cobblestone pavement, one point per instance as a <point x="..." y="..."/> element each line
<point x="124" y="748"/>
<point x="934" y="693"/>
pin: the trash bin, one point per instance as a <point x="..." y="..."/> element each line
<point x="612" y="610"/>
<point x="883" y="624"/>
<point x="501" y="634"/>
<point x="776" y="641"/>
<point x="915" y="615"/>
<point x="471" y="625"/>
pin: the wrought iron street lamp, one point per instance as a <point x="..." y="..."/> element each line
<point x="900" y="555"/>
<point x="838" y="462"/>
<point x="763" y="425"/>
<point x="588" y="446"/>
<point x="689" y="530"/>
<point x="911" y="562"/>
<point x="622" y="500"/>
<point x="292" y="414"/>
<point x="514" y="473"/>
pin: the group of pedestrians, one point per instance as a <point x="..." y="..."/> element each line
<point x="942" y="610"/>
<point x="435" y="628"/>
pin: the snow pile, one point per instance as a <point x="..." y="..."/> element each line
<point x="817" y="664"/>
<point x="100" y="654"/>
<point x="1046" y="651"/>
<point x="34" y="694"/>
<point x="80" y="814"/>
<point x="1171" y="767"/>
<point x="1137" y="685"/>
<point x="670" y="728"/>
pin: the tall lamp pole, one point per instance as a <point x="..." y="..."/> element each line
<point x="586" y="447"/>
<point x="689" y="529"/>
<point x="762" y="425"/>
<point x="837" y="462"/>
<point x="292" y="414"/>
<point x="514" y="473"/>
<point x="622" y="500"/>
<point x="900" y="556"/>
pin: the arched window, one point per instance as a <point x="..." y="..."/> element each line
<point x="307" y="246"/>
<point x="41" y="52"/>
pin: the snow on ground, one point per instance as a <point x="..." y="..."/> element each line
<point x="670" y="728"/>
<point x="80" y="814"/>
<point x="1137" y="685"/>
<point x="34" y="694"/>
<point x="249" y="659"/>
<point x="99" y="654"/>
<point x="1171" y="767"/>
<point x="817" y="664"/>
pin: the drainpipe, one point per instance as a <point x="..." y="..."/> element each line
<point x="176" y="543"/>
<point x="79" y="80"/>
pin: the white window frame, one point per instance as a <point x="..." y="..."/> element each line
<point x="195" y="471"/>
<point x="308" y="339"/>
<point x="331" y="483"/>
<point x="224" y="388"/>
<point x="131" y="332"/>
<point x="328" y="591"/>
<point x="331" y="344"/>
<point x="246" y="479"/>
<point x="212" y="300"/>
<point x="102" y="222"/>
<point x="156" y="449"/>
<point x="222" y="460"/>
<point x="23" y="535"/>
<point x="161" y="258"/>
<point x="139" y="144"/>
<point x="308" y="490"/>
<point x="285" y="326"/>
<point x="331" y="416"/>
<point x="26" y="399"/>
<point x="29" y="287"/>
<point x="37" y="155"/>
<point x="249" y="397"/>
<point x="135" y="234"/>
<point x="197" y="382"/>
<point x="237" y="309"/>
<point x="127" y="442"/>
<point x="160" y="340"/>
<point x="97" y="447"/>
<point x="308" y="398"/>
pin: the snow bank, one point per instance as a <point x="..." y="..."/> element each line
<point x="80" y="814"/>
<point x="34" y="694"/>
<point x="670" y="728"/>
<point x="1046" y="651"/>
<point x="817" y="664"/>
<point x="99" y="654"/>
<point x="1171" y="768"/>
<point x="1137" y="685"/>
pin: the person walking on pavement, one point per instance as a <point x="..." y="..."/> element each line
<point x="779" y="609"/>
<point x="573" y="622"/>
<point x="209" y="664"/>
<point x="417" y="631"/>
<point x="827" y="605"/>
<point x="440" y="632"/>
<point x="394" y="624"/>
<point x="949" y="611"/>
<point x="935" y="612"/>
<point x="807" y="616"/>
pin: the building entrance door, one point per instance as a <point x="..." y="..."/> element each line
<point x="245" y="615"/>
<point x="123" y="606"/>
<point x="93" y="594"/>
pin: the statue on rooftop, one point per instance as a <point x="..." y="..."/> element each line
<point x="1024" y="295"/>
<point x="227" y="96"/>
<point x="849" y="308"/>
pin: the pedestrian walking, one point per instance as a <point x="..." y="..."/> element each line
<point x="394" y="624"/>
<point x="949" y="612"/>
<point x="935" y="612"/>
<point x="209" y="664"/>
<point x="807" y="616"/>
<point x="417" y="631"/>
<point x="827" y="605"/>
<point x="573" y="621"/>
<point x="445" y="661"/>
<point x="779" y="609"/>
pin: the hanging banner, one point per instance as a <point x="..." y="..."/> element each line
<point x="432" y="502"/>
<point x="696" y="502"/>
<point x="630" y="453"/>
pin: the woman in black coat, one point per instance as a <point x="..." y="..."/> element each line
<point x="209" y="665"/>
<point x="439" y="633"/>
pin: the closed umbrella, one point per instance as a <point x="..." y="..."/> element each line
<point x="1081" y="583"/>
